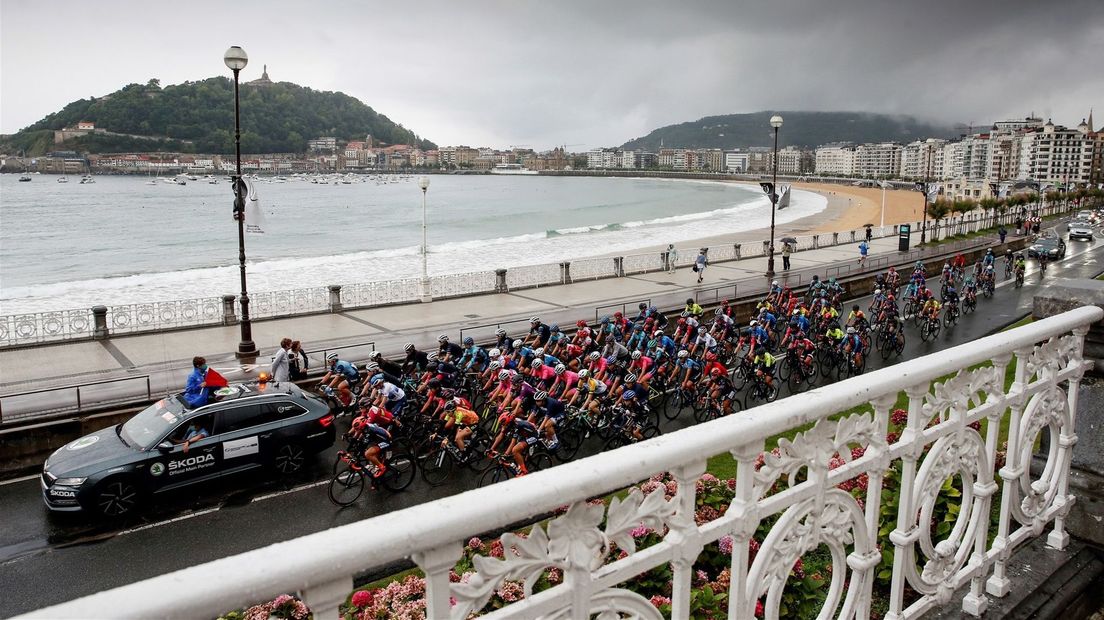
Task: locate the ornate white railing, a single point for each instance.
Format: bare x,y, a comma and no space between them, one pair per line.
795,490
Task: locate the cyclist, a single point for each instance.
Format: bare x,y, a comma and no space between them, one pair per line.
989,258
341,376
692,308
590,391
801,348
503,342
721,389
549,414
448,351
853,347
462,419
416,361
375,437
1021,265
931,308
892,279
539,333
763,363
950,297
391,396
474,358
541,373
1043,258
857,319
564,383
689,368
1009,260
641,365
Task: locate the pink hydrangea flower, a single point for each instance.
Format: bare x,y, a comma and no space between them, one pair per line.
362,599
474,544
899,417
640,531
725,545
659,601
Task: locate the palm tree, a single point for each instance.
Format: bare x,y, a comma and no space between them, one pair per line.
938,210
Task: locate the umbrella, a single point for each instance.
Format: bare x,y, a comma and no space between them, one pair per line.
868,226
789,240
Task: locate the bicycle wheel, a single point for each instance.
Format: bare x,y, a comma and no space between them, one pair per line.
400,472
615,441
437,469
650,431
346,486
706,413
540,461
934,329
571,439
493,475
785,369
887,345
796,381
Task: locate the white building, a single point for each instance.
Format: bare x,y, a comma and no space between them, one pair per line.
630,160
735,161
836,159
789,160
878,160
1056,155
921,158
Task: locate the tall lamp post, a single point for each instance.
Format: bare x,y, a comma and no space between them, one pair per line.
776,122
924,188
426,296
236,59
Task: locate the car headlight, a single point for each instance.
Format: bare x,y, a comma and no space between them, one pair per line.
69,482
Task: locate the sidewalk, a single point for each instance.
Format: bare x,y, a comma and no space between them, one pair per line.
166,356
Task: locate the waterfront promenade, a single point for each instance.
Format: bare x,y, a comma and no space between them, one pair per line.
160,361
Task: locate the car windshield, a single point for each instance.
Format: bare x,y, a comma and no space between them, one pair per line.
144,429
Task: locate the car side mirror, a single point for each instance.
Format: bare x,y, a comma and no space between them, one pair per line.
165,446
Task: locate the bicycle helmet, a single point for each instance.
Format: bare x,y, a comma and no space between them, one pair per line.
855,308
540,396
432,356
683,354
657,333
376,355
376,380
716,372
494,354
684,314
503,375
516,379
535,320
560,369
539,351
408,347
642,306
751,323
629,394
877,291
517,344
331,357
618,315
759,350
495,365
359,423
450,406
850,330
434,383
682,321
605,320
584,373
536,364
448,393
774,282
594,355
580,323
371,367
469,341
630,378
500,332
635,355
442,338
555,328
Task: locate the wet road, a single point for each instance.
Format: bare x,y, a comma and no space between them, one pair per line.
47,559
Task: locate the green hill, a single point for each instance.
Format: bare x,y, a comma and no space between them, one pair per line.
198,117
807,129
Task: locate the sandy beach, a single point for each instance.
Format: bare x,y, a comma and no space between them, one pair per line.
849,208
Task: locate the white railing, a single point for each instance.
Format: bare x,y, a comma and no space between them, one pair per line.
794,491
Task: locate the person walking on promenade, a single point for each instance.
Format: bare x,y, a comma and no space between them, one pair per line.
864,249
672,258
297,361
281,368
869,234
1003,232
787,249
1019,226
701,263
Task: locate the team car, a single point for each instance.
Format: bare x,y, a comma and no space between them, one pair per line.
170,445
1053,247
1080,229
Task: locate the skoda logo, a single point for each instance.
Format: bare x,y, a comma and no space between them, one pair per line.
83,442
157,469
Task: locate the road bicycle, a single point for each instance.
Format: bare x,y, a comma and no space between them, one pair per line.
929,329
352,472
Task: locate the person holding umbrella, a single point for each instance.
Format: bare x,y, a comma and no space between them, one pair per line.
787,249
869,232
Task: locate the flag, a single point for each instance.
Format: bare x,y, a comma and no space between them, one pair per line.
784,201
214,379
933,192
254,217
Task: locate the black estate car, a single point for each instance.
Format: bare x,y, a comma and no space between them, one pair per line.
1053,247
246,426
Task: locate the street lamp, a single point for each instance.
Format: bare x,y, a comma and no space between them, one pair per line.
426,296
236,59
925,188
776,122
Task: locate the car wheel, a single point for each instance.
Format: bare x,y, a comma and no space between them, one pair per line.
117,497
289,459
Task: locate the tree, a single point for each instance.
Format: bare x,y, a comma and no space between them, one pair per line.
989,205
960,208
938,210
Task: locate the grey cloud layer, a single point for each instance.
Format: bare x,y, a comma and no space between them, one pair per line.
591,73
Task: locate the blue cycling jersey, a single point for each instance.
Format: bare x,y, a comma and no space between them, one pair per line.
346,369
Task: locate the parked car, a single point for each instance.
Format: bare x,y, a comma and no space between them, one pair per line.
249,426
1053,247
1080,229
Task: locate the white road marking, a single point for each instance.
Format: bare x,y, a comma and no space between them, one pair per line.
23,479
303,487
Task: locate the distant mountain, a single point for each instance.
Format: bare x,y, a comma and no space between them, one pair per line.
198,117
807,129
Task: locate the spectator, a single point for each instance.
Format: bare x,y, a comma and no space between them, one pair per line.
787,249
280,369
672,258
1003,233
701,263
1019,226
864,249
869,233
297,361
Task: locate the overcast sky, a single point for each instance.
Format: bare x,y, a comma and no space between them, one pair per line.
588,73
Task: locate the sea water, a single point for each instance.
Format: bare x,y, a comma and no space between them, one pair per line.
121,240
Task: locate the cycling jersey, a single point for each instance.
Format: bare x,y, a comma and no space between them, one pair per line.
464,416
345,368
765,359
592,386
392,392
835,334
544,373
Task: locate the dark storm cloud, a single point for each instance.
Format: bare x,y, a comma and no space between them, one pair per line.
586,73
